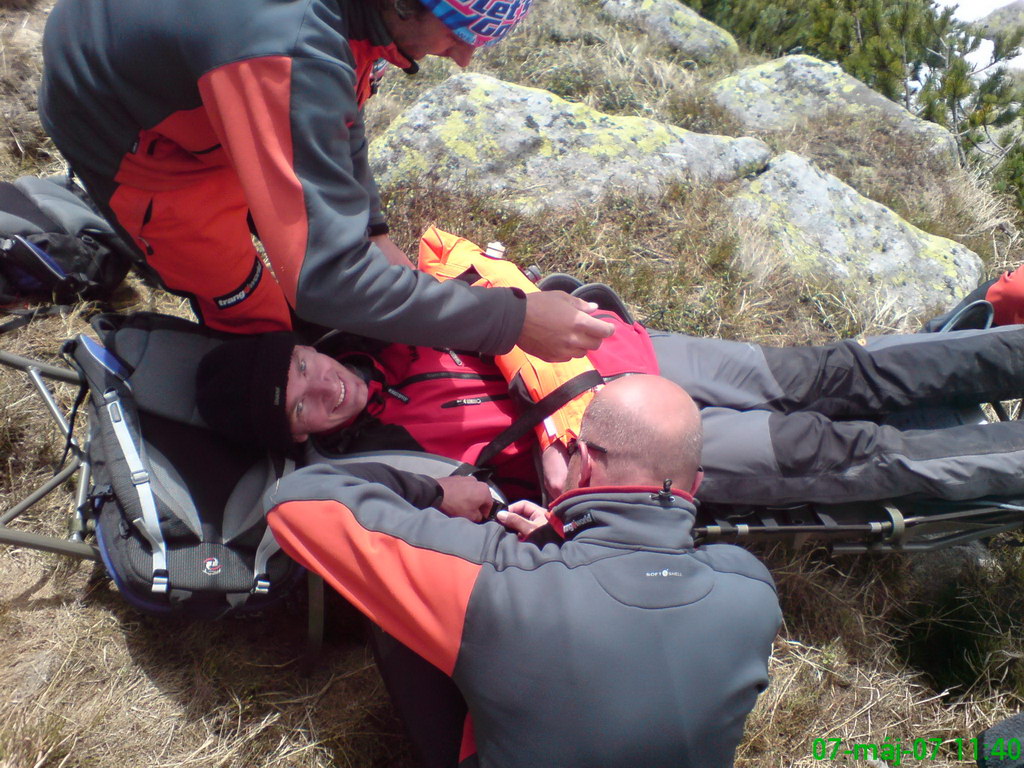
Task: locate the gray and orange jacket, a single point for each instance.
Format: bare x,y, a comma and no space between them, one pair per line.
146,98
624,646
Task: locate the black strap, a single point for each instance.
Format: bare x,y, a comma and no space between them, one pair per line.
22,317
469,277
83,390
534,415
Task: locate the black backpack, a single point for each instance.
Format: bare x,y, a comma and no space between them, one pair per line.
54,246
177,508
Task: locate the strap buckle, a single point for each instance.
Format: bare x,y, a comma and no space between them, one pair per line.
261,585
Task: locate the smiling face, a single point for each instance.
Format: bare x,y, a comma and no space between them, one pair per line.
322,393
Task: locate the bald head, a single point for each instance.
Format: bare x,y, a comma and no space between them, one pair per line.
651,428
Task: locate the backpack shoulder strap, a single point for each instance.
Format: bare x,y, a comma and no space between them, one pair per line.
533,415
268,547
149,523
107,377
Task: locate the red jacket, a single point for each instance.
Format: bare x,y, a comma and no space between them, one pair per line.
454,403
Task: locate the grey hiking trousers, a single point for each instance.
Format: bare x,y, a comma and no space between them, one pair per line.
784,425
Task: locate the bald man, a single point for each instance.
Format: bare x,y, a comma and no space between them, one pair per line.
623,645
650,444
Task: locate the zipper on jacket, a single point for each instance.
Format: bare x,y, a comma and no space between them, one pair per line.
449,375
396,394
473,401
451,353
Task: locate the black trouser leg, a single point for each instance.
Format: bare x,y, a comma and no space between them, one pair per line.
760,457
427,700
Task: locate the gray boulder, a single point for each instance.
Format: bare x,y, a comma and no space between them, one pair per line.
825,231
534,151
678,26
779,94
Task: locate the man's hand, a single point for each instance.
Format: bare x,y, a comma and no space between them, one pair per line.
465,497
559,326
392,252
523,517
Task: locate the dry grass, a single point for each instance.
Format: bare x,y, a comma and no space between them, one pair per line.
840,668
574,51
24,147
672,259
818,692
87,682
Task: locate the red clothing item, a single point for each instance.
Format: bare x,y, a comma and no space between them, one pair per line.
1006,295
454,404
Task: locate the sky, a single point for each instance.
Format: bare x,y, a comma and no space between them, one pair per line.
969,10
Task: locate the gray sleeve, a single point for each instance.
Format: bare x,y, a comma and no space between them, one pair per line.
300,152
379,507
361,169
344,281
419,490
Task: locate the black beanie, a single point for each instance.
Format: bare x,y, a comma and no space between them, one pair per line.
240,390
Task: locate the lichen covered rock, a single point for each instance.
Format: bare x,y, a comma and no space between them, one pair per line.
825,231
779,94
534,151
681,28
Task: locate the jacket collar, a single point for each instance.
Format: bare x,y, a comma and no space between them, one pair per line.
366,26
641,516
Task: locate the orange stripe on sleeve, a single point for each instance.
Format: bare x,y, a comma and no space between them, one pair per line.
248,104
419,596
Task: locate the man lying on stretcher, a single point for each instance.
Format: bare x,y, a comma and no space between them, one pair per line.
781,425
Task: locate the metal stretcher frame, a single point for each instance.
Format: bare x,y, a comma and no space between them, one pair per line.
883,526
900,525
76,463
871,526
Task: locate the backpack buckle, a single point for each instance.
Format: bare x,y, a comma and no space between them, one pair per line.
261,586
161,582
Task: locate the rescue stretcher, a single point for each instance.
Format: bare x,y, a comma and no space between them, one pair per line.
884,525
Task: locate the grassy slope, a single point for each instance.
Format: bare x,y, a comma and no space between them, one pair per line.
86,682
1003,19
